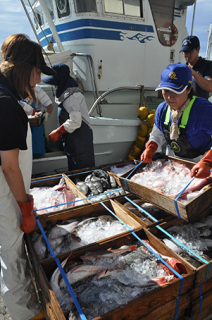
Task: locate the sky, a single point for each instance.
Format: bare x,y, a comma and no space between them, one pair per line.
13,20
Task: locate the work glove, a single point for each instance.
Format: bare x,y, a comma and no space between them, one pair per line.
28,219
147,155
203,167
45,116
55,134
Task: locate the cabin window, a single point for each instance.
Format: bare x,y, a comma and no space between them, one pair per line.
85,6
63,8
125,7
38,20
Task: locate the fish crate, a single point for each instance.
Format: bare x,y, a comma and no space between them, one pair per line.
66,203
188,211
100,183
37,246
162,302
144,212
203,271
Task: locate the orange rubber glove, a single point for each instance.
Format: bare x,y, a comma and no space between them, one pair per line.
55,134
203,167
147,155
28,219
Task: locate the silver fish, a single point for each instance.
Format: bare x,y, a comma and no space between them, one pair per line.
79,273
61,230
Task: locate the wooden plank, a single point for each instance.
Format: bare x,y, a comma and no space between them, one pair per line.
142,222
201,308
171,310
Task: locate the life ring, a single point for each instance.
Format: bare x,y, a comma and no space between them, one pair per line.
175,35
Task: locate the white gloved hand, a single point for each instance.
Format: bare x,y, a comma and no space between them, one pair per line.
45,115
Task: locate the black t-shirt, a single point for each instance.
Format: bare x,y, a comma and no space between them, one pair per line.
13,120
204,68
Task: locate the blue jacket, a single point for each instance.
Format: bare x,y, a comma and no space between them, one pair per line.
199,127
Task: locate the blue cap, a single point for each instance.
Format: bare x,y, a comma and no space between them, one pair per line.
190,43
176,77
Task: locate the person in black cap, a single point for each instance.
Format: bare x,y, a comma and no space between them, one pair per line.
75,130
20,71
201,68
182,121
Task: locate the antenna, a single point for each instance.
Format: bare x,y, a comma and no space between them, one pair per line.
192,27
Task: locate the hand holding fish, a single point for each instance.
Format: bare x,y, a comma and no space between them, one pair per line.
203,167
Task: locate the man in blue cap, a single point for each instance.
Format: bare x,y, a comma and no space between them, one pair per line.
182,121
201,68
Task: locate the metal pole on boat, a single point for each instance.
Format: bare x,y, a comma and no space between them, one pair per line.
192,27
30,21
209,44
51,24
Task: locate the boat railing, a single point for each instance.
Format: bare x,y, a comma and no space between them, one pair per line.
101,99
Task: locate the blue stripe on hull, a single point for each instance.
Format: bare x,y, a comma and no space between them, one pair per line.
94,33
81,23
99,34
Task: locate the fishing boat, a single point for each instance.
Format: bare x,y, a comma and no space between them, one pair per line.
116,50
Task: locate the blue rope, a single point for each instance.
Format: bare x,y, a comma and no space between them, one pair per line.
71,292
138,165
200,305
201,298
125,181
178,196
90,197
141,209
177,308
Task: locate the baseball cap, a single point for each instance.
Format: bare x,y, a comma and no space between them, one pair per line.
25,50
190,43
176,77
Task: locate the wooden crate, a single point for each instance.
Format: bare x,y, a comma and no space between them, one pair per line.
51,181
201,301
80,175
85,212
189,211
162,300
200,272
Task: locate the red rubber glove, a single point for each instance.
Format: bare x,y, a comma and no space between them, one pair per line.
203,167
28,219
55,134
147,155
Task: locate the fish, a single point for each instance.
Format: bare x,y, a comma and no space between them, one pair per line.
111,253
40,247
172,245
196,185
60,230
169,178
79,273
54,280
